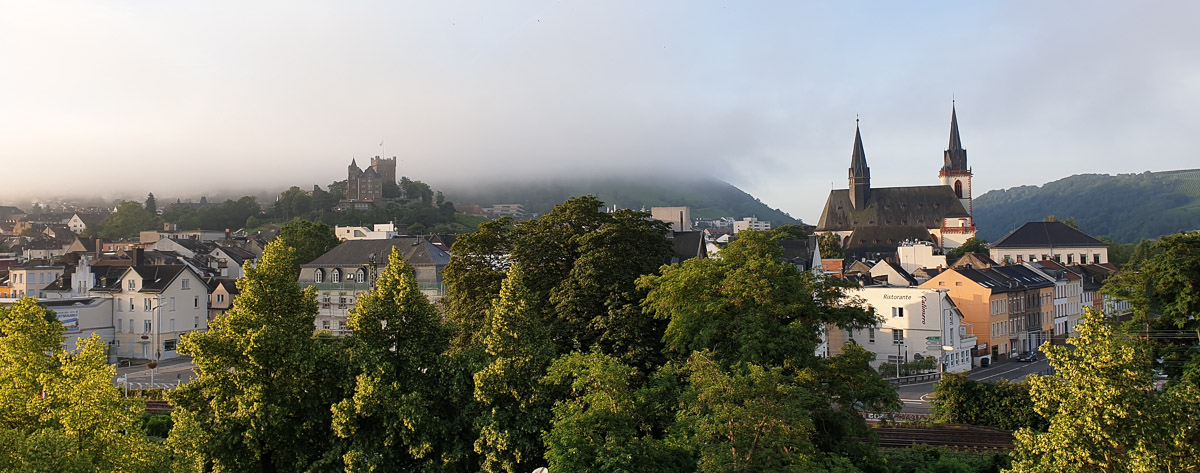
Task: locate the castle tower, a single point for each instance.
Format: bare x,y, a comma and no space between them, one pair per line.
353,173
860,174
386,167
955,172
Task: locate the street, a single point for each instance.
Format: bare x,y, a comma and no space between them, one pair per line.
916,396
166,375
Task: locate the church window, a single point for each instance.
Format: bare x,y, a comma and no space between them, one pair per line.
958,188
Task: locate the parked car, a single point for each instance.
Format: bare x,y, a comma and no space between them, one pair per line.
1028,356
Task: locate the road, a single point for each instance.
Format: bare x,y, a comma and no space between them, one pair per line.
916,396
168,373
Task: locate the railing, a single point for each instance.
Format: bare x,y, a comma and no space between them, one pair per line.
919,378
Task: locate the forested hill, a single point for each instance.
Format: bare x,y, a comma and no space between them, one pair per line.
1125,207
708,198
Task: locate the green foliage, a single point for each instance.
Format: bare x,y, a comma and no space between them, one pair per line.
791,232
151,205
127,222
924,365
157,425
1104,412
231,214
925,459
398,400
59,410
478,265
1124,207
611,420
264,384
309,239
748,306
1001,404
293,203
519,348
972,245
416,190
831,248
747,418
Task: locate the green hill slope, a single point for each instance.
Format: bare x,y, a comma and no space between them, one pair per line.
1124,207
708,198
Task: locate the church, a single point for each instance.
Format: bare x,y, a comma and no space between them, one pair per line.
872,222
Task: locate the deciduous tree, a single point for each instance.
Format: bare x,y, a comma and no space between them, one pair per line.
309,239
264,384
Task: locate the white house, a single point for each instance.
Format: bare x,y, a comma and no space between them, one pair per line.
153,307
379,231
914,323
81,317
750,223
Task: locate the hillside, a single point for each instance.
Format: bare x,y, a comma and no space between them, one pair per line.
708,198
1125,207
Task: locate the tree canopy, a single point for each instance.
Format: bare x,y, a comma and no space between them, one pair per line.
127,222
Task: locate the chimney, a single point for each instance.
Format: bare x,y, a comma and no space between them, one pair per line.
99,247
138,257
226,233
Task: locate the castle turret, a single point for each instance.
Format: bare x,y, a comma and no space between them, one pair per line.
860,174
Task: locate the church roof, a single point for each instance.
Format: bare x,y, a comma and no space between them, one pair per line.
884,239
955,140
919,206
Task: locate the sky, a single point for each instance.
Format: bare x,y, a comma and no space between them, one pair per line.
120,98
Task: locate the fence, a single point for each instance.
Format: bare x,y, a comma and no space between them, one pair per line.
920,378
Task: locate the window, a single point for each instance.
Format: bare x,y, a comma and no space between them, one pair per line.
172,303
169,345
1070,258
871,334
341,325
146,326
1096,258
335,276
362,275
897,312
131,304
325,324
319,277
172,325
196,302
120,307
220,297
196,323
146,305
1057,258
131,284
897,337
130,325
184,284
120,325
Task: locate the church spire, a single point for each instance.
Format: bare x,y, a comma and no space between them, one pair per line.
955,156
860,174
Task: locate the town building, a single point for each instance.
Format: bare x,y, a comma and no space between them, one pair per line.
80,221
379,231
1057,241
349,270
750,223
221,293
153,307
913,323
872,221
680,218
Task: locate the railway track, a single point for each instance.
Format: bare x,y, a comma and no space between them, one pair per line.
958,437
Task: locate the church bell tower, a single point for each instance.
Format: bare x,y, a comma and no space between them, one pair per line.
954,172
860,174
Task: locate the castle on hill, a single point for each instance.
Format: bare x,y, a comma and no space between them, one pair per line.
364,187
872,222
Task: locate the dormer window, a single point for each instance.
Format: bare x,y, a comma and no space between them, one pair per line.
335,276
362,275
319,275
132,284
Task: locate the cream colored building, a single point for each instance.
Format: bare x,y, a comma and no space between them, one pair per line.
680,218
1054,241
750,223
153,307
914,323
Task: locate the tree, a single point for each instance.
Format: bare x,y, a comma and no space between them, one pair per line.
748,306
59,410
309,239
391,190
127,222
1104,412
293,203
151,205
1163,288
1001,404
478,266
519,348
264,383
610,420
831,248
791,232
392,420
972,245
